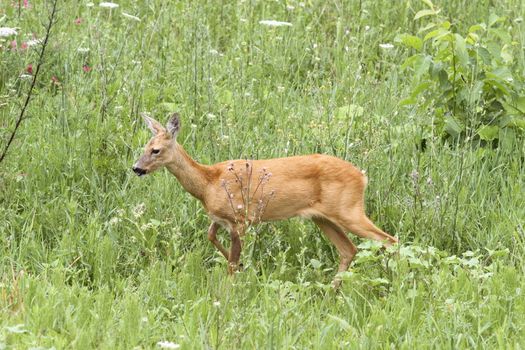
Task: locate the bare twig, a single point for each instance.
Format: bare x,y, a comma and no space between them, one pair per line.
33,82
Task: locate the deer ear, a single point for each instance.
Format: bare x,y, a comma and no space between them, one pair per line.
152,124
174,125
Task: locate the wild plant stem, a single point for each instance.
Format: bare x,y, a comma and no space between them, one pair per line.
33,82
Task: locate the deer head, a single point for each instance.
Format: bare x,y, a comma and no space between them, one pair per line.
161,148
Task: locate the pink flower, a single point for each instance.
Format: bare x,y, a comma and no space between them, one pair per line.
29,68
13,45
86,68
23,46
55,80
26,4
78,21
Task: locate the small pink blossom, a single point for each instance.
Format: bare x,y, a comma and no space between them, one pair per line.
78,21
29,68
55,80
86,68
13,45
26,4
24,46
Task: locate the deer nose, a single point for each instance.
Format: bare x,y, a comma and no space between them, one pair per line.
139,171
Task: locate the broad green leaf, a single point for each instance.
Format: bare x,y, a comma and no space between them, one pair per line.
472,38
517,122
424,13
427,27
410,41
410,61
452,126
420,88
433,34
493,19
514,106
488,132
484,54
506,54
502,34
421,66
407,101
520,103
501,73
477,27
428,3
461,50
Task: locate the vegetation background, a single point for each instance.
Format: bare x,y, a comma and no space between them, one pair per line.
93,257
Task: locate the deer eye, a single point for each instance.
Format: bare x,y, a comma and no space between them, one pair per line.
155,151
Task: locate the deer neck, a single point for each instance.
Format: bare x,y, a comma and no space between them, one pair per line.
191,175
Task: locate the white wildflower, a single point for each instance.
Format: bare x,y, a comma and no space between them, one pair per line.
211,116
90,4
26,76
274,23
168,345
114,220
239,206
367,28
34,42
127,15
139,210
216,303
6,31
290,7
83,50
214,52
386,46
109,5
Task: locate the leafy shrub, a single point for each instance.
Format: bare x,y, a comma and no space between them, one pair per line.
474,82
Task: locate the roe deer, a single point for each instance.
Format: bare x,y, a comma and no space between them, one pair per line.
326,189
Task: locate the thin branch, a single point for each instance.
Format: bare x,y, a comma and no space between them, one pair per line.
33,82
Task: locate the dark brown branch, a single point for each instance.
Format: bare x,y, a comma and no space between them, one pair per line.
33,82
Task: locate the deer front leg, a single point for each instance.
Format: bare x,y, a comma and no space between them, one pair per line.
212,236
235,252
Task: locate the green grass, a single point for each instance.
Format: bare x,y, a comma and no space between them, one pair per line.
93,257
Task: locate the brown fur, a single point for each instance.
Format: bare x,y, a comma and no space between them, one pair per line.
326,189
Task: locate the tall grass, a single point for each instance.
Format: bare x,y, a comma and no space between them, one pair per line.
93,257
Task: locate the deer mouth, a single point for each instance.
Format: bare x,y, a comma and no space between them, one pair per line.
139,171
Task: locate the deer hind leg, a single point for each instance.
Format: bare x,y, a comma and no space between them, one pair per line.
236,231
359,224
344,245
212,236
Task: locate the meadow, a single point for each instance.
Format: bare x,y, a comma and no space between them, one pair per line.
92,256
